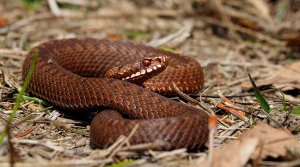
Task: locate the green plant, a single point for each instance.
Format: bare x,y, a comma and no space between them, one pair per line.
122,163
21,93
32,4
260,98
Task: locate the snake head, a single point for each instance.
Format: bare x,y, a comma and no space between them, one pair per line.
140,70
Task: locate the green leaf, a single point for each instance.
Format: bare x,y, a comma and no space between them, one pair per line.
122,163
35,99
168,49
32,4
296,110
22,91
283,100
134,34
260,98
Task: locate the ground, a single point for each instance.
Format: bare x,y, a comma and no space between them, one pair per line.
230,39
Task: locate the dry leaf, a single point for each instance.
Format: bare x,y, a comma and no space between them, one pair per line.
235,154
257,144
273,142
287,78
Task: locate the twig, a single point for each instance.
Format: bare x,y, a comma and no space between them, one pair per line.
175,38
188,98
106,152
126,140
233,111
144,146
37,142
169,153
26,132
54,8
64,163
231,131
143,12
232,108
28,117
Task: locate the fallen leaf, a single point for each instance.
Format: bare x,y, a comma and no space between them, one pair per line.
256,144
273,142
235,154
286,78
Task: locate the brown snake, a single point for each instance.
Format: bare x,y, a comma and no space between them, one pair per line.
70,74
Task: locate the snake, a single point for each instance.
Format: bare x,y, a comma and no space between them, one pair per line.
127,85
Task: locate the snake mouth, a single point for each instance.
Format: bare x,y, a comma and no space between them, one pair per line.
148,66
139,70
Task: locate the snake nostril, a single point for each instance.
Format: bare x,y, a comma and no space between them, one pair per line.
146,62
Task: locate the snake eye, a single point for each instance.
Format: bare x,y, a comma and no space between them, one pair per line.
146,62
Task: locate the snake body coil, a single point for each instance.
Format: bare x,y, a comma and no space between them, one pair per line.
70,74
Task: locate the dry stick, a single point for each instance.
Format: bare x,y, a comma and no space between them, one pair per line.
28,117
169,153
126,140
54,7
48,145
144,146
106,152
116,147
26,132
60,163
176,38
231,130
226,100
188,98
231,110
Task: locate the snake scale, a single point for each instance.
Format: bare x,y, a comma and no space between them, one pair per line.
72,75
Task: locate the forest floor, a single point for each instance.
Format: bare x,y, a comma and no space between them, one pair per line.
229,38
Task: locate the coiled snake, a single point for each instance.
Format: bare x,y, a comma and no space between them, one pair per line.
72,74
